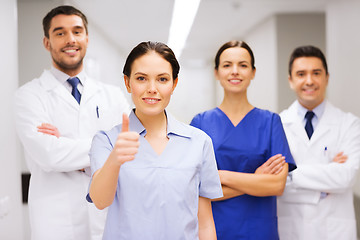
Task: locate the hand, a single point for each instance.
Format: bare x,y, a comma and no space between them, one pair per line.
340,158
273,165
126,145
49,129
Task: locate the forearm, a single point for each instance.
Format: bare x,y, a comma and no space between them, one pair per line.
206,221
330,178
228,193
58,154
260,185
103,185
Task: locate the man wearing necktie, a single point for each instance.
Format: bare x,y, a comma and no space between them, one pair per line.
57,116
325,142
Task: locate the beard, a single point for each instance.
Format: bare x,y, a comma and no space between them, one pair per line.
64,66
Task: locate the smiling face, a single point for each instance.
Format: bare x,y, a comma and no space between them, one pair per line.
235,71
150,84
309,81
67,43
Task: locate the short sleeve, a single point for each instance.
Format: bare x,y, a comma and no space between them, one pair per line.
196,121
100,150
279,143
210,186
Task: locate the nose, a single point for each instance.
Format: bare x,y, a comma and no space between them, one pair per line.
234,70
70,38
152,87
308,79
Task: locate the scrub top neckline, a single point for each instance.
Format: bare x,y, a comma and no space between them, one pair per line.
228,119
153,150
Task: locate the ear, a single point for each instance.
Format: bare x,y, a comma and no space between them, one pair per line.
254,72
127,83
46,43
291,82
175,82
216,72
327,78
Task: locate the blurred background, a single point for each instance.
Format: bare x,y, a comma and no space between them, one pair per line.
272,28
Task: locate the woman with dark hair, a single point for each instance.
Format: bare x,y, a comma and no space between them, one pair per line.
251,150
156,174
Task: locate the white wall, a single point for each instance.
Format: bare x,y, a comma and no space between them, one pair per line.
263,92
194,93
343,52
11,227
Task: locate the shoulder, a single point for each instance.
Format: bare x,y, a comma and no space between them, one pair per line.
108,136
265,115
289,114
207,114
346,119
32,89
204,117
109,88
189,131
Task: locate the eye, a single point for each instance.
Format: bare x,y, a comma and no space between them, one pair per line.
300,74
163,79
141,78
243,65
226,65
59,34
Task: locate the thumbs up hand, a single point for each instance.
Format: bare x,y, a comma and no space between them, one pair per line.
126,145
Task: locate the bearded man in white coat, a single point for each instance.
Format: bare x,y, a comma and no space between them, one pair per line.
325,142
56,121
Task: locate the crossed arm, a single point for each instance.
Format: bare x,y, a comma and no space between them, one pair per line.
268,180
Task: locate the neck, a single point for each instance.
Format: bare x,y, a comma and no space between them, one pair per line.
235,107
155,125
70,72
235,103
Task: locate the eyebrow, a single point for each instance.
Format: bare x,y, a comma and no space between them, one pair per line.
61,28
238,62
161,74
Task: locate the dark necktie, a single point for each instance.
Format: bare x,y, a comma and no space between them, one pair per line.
308,126
75,92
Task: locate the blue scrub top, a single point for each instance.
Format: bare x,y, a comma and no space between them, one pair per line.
243,148
157,196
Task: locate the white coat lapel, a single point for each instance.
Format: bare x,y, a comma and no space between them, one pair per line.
90,89
52,85
293,123
325,123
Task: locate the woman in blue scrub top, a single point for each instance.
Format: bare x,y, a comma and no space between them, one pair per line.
156,174
251,151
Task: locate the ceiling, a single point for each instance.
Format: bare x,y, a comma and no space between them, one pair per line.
129,22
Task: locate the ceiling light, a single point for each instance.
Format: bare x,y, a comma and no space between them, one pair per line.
184,13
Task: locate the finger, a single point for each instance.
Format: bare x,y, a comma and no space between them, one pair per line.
277,162
279,170
128,136
46,131
273,158
276,168
125,123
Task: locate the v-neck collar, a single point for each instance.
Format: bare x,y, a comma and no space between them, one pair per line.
228,119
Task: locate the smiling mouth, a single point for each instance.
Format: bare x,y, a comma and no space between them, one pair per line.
235,80
151,100
310,90
70,49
